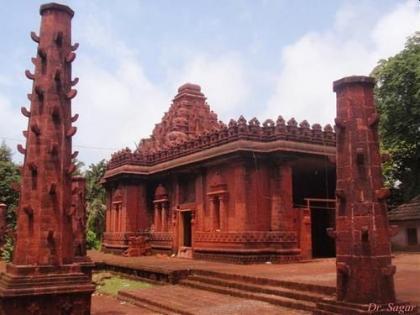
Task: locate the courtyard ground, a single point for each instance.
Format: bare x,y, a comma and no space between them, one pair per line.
317,271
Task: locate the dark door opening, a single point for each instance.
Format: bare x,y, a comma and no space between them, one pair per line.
322,244
186,223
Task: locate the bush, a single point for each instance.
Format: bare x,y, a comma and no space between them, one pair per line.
91,241
7,249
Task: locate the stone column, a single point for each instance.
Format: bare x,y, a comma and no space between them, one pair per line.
364,269
286,197
240,203
212,213
275,199
164,217
114,218
108,210
223,213
157,218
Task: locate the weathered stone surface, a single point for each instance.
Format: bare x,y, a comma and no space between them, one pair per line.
43,278
364,270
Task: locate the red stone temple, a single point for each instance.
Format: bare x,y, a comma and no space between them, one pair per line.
44,277
243,192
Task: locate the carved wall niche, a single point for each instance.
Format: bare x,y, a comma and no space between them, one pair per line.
218,203
161,210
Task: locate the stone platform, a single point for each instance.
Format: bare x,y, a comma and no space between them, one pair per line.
262,288
294,286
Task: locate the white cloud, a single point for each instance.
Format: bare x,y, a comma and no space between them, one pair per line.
116,107
119,104
223,80
312,63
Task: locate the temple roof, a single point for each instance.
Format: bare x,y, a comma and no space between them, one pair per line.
190,127
406,211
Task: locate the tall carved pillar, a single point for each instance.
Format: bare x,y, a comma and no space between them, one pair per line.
43,278
364,269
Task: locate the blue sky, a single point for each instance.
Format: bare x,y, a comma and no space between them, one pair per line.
256,58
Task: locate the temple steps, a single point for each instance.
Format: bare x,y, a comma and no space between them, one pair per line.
266,282
264,297
301,298
154,302
178,299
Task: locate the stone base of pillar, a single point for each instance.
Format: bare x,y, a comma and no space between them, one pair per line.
46,290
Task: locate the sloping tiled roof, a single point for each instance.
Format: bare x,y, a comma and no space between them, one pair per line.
406,211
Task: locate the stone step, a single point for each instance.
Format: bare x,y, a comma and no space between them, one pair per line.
184,300
264,297
321,289
155,302
267,289
339,309
129,298
322,312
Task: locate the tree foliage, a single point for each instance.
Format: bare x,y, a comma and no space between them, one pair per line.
9,181
95,199
398,98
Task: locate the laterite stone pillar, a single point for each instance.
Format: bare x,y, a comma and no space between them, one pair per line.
364,269
43,277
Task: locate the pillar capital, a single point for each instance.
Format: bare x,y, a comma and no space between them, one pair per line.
353,80
55,7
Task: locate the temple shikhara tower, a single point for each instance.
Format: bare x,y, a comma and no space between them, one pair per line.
43,277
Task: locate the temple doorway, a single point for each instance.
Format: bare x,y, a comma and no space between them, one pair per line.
322,217
185,234
186,227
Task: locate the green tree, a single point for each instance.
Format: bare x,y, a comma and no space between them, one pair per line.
398,98
95,199
9,181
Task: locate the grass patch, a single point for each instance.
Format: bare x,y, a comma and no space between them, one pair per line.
110,284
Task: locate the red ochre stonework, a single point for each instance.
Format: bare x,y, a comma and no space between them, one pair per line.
43,277
364,269
238,192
